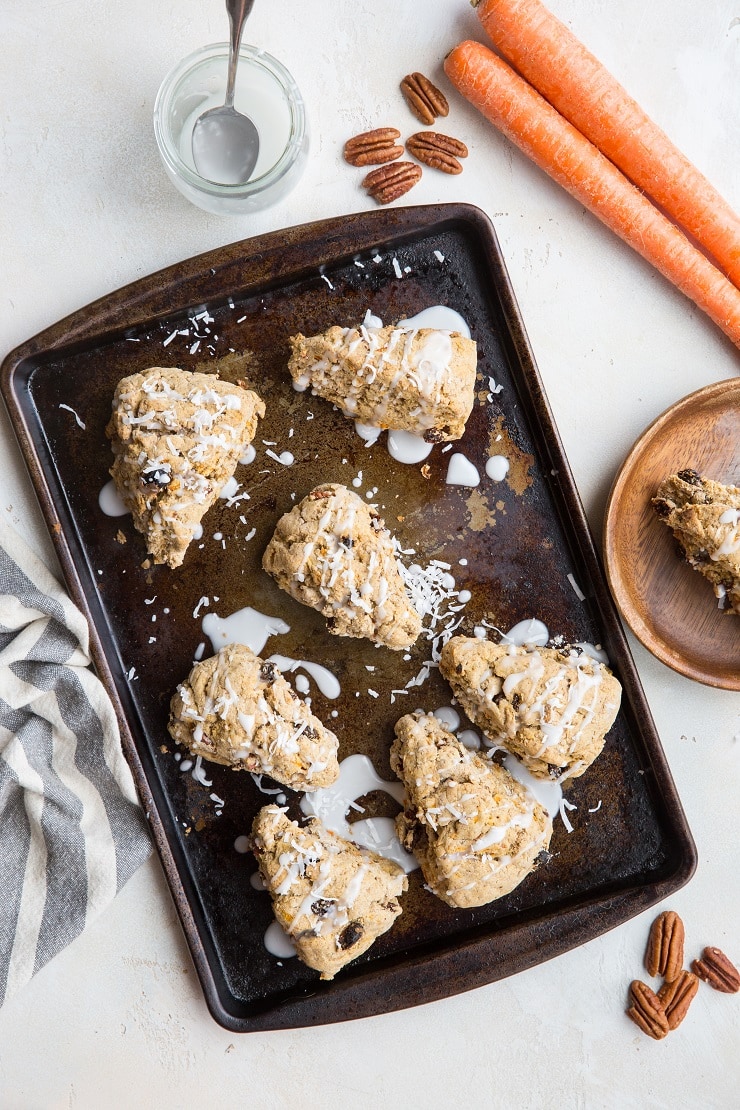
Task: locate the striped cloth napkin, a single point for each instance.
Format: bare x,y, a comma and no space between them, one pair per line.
71,830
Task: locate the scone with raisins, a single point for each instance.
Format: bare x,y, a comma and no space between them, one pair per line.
333,553
704,516
237,709
475,830
419,380
332,898
550,707
177,438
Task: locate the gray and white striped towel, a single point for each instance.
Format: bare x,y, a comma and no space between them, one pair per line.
71,830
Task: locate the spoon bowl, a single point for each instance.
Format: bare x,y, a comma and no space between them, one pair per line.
226,143
225,146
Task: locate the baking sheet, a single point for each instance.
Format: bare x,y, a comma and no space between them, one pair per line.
526,544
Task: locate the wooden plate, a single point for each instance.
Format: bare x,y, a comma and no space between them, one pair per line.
669,606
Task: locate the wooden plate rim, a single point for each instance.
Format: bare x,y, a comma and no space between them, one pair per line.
655,644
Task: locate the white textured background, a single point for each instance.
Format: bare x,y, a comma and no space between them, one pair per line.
118,1019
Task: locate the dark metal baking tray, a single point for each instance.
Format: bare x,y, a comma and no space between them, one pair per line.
522,538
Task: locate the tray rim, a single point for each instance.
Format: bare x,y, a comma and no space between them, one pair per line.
236,269
657,645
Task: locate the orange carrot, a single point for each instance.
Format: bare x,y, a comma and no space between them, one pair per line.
551,58
557,147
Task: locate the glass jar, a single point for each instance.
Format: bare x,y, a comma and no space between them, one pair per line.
266,92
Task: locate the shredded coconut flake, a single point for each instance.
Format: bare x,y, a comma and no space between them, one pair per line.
199,774
204,601
80,423
564,806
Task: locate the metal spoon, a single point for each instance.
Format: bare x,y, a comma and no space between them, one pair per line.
225,142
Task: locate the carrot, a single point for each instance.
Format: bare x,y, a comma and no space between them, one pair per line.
552,59
557,147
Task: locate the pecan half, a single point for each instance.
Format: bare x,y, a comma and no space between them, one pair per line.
441,152
714,968
664,955
373,148
647,1011
677,996
423,98
388,183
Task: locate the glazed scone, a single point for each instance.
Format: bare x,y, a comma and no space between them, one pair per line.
177,438
550,707
705,519
476,832
332,898
419,380
237,709
333,552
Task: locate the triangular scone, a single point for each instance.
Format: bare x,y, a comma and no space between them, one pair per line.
332,898
177,438
705,519
237,709
551,707
475,830
419,380
333,552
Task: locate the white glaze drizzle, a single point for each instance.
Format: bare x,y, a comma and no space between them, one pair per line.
527,632
461,472
327,682
110,502
497,467
331,804
278,943
407,448
246,626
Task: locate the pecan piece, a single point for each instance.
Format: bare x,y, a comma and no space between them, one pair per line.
439,151
388,183
647,1011
423,98
664,955
714,968
373,148
677,996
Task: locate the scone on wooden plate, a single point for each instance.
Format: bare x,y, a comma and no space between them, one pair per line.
475,830
705,519
177,438
550,707
333,553
332,898
237,709
418,380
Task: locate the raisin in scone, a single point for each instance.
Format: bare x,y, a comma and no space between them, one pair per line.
177,438
419,380
237,709
333,552
550,707
332,898
705,519
475,830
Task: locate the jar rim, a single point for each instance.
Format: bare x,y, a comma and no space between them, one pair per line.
253,56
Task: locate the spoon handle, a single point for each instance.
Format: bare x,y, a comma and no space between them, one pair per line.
238,11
